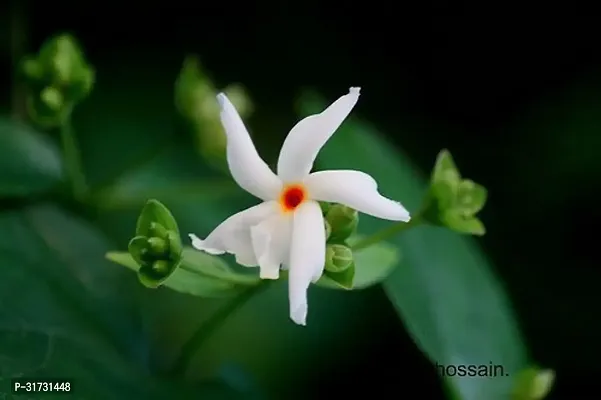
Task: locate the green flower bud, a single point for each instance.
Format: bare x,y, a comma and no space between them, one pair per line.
138,248
195,98
158,230
47,107
62,60
193,92
52,98
452,201
343,221
158,246
328,228
57,78
338,258
175,245
240,99
161,267
325,207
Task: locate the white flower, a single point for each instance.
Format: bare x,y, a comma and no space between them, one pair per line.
287,229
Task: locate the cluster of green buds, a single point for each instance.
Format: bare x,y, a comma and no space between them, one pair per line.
451,201
57,78
157,246
195,98
341,225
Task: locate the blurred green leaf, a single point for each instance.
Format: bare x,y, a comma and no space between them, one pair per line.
29,162
533,384
199,274
67,313
371,266
445,291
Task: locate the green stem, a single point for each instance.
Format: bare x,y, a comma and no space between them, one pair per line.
72,158
206,330
388,232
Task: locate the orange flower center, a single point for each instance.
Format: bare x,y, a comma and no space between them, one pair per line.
292,196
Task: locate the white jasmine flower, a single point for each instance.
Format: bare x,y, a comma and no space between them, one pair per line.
287,229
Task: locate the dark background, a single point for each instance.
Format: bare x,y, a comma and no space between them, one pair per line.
517,102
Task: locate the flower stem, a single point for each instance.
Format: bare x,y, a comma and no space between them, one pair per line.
72,158
206,330
388,232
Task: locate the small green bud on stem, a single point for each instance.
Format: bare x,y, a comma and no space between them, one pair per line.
343,221
158,246
338,258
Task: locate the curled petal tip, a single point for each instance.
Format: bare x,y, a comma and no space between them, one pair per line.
221,99
199,244
270,275
355,89
299,316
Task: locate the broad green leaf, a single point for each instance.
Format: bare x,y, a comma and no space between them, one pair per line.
67,313
199,274
371,266
445,290
29,162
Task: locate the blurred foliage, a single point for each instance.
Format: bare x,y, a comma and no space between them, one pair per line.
58,77
444,289
87,319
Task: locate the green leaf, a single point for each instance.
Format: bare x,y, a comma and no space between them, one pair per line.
29,163
155,211
199,274
374,264
67,313
445,291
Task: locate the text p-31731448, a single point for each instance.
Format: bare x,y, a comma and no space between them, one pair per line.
40,385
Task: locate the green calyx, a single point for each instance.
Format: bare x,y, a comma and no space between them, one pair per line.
157,246
453,202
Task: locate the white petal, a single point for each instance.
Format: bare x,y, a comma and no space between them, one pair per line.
307,257
233,234
357,190
271,243
309,135
246,166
